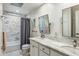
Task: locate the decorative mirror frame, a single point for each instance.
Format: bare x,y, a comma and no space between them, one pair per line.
48,32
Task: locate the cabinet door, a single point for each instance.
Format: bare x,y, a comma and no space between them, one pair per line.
67,22
33,51
41,53
33,48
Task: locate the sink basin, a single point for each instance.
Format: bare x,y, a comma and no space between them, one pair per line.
56,43
53,42
60,44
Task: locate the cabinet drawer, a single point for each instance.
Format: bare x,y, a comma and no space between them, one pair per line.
33,43
41,53
44,48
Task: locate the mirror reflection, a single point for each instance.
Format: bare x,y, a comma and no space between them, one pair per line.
44,24
70,21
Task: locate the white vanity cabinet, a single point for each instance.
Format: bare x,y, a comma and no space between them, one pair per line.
33,48
34,51
38,49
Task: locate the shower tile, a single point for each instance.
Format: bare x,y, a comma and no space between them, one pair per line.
11,25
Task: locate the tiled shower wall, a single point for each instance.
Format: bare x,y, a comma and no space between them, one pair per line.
11,25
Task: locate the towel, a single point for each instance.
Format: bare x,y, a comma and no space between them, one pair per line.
4,41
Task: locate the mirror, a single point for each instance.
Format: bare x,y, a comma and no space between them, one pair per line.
66,22
34,25
70,22
44,26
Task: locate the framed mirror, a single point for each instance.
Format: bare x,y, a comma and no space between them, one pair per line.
66,22
34,25
70,22
44,25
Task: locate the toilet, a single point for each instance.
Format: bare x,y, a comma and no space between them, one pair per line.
26,50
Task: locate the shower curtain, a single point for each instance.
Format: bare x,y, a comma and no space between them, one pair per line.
25,31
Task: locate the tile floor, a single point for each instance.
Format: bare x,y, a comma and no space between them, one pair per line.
13,53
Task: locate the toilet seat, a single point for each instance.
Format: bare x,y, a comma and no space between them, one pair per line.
26,46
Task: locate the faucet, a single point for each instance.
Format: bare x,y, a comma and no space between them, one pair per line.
75,43
42,34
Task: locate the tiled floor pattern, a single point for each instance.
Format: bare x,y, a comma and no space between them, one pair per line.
13,53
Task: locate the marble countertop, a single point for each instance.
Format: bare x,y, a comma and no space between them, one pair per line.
62,47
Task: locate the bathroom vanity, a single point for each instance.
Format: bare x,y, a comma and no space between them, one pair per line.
70,29
47,47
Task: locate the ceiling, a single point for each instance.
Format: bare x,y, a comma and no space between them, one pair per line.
20,8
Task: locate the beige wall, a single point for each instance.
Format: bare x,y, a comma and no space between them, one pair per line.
55,16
